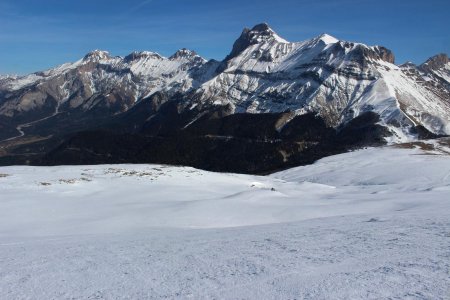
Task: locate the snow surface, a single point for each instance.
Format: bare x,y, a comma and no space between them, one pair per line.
368,224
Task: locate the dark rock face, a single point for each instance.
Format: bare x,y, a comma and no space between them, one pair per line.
261,28
240,44
249,37
435,71
138,55
436,62
385,54
361,54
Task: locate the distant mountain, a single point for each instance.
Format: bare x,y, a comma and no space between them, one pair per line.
297,96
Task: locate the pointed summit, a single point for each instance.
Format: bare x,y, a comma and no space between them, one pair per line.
184,53
261,27
260,33
327,39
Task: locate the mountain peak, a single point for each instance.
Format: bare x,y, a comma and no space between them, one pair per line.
262,32
436,62
97,55
327,39
259,34
261,27
184,53
136,55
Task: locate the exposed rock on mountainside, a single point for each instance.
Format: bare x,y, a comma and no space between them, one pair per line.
436,63
155,98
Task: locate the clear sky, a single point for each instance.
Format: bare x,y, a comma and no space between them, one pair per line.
39,34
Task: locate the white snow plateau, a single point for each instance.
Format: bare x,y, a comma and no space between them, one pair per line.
368,224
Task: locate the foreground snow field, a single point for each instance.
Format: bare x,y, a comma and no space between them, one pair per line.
369,224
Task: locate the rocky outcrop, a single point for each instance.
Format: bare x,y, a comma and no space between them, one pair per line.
259,33
436,62
385,54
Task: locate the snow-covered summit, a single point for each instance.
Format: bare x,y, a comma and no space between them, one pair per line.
328,39
97,55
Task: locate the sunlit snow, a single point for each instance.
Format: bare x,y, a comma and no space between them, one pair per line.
372,224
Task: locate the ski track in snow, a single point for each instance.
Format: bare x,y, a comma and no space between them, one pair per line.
369,224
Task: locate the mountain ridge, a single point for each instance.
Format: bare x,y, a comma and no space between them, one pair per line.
337,81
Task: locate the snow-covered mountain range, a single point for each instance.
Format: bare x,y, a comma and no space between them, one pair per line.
336,80
123,81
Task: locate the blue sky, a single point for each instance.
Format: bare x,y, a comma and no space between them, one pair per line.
37,35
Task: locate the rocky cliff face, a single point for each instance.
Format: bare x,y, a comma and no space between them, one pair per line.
436,63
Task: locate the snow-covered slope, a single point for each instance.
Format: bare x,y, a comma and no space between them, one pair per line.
371,224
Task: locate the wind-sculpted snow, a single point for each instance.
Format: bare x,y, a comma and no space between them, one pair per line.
368,224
